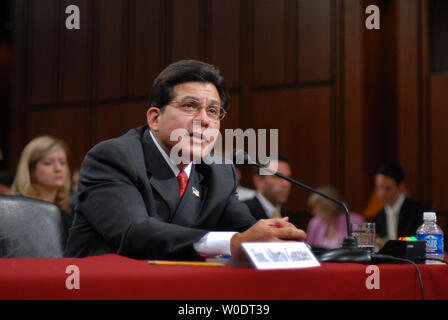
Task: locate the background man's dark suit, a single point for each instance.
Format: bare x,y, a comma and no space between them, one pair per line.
129,203
257,210
409,219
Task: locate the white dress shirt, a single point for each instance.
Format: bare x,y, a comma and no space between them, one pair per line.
171,164
392,214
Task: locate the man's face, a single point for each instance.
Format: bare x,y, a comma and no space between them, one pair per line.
274,188
387,189
163,123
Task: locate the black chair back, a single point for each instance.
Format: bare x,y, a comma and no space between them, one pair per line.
30,228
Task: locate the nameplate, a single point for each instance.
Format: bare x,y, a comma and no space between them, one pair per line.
280,255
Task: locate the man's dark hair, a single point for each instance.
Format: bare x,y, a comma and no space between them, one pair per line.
393,170
185,71
256,170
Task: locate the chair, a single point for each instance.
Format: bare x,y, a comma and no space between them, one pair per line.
30,228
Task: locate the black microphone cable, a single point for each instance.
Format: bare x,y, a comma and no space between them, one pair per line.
379,258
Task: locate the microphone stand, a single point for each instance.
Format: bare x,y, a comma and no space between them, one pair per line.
349,250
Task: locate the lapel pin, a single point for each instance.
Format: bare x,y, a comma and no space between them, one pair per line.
196,192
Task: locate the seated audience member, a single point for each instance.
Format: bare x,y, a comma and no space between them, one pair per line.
401,215
146,195
271,192
243,193
328,227
375,204
43,173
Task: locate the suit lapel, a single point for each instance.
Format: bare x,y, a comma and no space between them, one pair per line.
190,206
380,220
260,209
162,178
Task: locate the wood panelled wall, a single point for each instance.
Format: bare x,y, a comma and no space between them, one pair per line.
343,98
422,102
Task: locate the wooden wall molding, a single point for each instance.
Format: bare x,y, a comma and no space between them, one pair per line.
296,65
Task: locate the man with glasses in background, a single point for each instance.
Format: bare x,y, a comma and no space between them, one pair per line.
137,199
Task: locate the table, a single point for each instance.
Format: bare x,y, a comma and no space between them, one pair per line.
115,277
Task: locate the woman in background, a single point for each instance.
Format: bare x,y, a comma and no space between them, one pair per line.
43,173
328,227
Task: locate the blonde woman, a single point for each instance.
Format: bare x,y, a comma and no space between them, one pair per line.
328,227
43,173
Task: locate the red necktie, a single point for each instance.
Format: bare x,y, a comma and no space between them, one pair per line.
182,179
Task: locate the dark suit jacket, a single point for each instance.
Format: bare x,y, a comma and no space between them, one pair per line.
129,203
257,210
409,219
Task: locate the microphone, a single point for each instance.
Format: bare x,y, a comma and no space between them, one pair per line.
349,250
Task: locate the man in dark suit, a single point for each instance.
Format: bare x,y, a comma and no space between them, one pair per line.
142,196
401,215
271,192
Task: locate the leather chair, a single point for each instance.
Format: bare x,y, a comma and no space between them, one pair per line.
30,228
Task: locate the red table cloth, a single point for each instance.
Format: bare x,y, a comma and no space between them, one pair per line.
116,277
